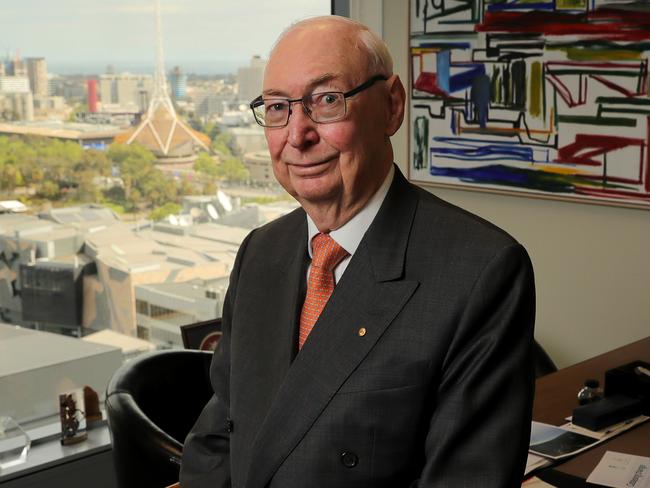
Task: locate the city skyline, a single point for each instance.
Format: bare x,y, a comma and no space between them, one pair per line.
122,34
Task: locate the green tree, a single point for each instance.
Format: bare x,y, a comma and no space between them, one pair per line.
224,144
168,208
233,169
95,161
11,178
206,165
157,188
50,190
212,130
117,153
136,164
185,187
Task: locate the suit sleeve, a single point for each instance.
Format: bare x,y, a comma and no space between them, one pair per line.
206,451
479,427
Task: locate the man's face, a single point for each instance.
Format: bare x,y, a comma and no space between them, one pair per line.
336,163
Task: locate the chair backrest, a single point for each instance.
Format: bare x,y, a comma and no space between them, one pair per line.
152,403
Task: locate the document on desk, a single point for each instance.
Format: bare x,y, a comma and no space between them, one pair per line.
535,462
619,470
554,442
535,482
567,440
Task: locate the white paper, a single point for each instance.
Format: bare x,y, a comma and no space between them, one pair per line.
536,483
619,470
535,462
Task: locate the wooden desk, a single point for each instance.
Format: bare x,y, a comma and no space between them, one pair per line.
555,399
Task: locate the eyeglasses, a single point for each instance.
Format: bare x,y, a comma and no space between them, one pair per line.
320,107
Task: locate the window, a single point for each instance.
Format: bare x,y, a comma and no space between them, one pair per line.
142,307
124,196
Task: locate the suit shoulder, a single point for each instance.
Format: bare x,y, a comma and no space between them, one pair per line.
457,244
455,222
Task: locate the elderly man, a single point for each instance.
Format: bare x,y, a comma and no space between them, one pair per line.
378,336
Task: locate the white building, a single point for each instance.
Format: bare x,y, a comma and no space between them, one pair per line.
249,139
14,84
260,167
250,78
37,74
125,91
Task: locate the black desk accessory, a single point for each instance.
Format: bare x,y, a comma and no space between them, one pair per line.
631,380
608,411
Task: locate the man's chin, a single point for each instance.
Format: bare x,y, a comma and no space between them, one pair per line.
314,194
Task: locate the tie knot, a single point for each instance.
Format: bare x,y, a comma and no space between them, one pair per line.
327,252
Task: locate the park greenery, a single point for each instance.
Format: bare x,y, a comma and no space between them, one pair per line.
226,165
38,170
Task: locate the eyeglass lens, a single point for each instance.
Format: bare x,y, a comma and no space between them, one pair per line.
320,107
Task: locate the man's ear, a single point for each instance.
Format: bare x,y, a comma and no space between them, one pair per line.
397,97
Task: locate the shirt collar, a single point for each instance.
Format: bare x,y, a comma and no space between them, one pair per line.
350,234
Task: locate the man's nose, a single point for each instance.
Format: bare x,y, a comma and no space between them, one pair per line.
302,130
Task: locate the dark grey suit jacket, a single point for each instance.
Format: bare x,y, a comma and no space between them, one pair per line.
437,393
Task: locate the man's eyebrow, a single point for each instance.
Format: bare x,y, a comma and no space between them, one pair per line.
310,85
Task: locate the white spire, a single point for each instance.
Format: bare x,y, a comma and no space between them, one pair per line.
163,133
160,90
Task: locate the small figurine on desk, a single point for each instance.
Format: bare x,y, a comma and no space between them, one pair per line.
93,412
73,420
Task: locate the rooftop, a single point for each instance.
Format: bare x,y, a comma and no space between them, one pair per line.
61,130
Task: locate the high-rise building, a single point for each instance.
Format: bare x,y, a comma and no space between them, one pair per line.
92,95
126,90
250,78
178,83
208,104
16,100
37,74
17,67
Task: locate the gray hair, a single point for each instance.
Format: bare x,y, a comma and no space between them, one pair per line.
379,59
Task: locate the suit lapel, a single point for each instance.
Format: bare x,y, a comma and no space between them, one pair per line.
369,296
266,335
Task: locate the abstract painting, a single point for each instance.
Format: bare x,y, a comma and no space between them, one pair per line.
540,97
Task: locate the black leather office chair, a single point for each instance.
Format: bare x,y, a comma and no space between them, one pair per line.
543,362
152,403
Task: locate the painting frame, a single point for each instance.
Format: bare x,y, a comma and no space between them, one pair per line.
634,193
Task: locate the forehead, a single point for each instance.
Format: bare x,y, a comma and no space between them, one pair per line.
313,54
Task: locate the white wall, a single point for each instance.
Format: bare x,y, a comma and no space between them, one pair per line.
592,262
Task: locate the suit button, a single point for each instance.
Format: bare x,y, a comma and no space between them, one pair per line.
229,426
349,459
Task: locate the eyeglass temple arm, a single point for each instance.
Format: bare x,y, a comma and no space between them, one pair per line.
365,85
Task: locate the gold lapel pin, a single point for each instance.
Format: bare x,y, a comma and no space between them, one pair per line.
362,331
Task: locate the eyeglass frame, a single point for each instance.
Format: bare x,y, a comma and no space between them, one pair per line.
363,86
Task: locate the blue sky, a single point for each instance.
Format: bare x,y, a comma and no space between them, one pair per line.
121,32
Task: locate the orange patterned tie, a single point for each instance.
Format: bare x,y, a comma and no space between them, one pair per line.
327,254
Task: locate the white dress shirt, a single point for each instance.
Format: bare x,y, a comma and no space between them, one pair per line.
349,236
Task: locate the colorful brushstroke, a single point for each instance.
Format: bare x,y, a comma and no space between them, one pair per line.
542,96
